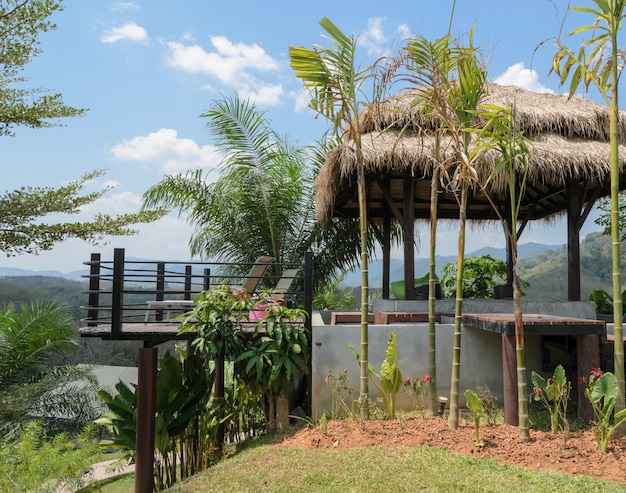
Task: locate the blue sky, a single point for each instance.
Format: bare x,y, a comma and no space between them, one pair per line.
146,70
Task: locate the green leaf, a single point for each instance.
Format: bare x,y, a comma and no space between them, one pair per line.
605,387
390,376
474,403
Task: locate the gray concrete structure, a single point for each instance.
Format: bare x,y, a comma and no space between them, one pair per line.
481,351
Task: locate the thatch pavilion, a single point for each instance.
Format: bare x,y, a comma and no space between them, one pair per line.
569,170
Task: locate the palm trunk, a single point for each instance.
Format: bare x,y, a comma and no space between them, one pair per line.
520,351
453,419
364,358
432,346
618,356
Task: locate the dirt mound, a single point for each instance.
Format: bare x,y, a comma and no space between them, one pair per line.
577,455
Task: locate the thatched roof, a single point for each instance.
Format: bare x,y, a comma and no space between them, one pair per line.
570,141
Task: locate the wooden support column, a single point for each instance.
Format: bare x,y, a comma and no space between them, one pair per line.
408,227
509,380
587,357
219,395
146,408
573,241
386,247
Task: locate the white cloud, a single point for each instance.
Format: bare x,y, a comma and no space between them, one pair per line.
373,40
128,32
121,6
518,75
172,153
231,64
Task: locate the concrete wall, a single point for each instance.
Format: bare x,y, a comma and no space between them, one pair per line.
577,309
481,358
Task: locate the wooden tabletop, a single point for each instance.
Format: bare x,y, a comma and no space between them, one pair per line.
534,324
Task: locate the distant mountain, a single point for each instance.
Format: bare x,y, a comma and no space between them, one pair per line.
13,272
422,265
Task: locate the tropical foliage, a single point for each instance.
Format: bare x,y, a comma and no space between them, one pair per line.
263,200
32,384
480,276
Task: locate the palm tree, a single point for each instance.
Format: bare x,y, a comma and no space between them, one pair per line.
453,83
32,384
263,200
598,61
500,133
337,91
430,67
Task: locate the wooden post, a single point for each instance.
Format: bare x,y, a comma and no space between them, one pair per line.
587,357
509,380
219,394
117,297
308,307
94,289
146,408
188,282
409,232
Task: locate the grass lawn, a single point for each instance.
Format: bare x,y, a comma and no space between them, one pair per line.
263,467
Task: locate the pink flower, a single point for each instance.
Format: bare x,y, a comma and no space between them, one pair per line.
328,377
538,391
582,381
427,378
596,372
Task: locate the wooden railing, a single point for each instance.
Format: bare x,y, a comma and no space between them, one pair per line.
119,289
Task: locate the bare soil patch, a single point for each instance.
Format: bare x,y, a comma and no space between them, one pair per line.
577,455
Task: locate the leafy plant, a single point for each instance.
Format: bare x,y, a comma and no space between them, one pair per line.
554,395
274,359
390,376
37,463
480,276
417,390
604,301
602,393
217,318
389,380
475,405
492,411
182,392
340,391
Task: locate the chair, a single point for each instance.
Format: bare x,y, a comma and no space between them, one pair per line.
257,271
252,281
284,283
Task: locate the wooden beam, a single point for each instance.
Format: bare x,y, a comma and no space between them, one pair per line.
146,408
408,227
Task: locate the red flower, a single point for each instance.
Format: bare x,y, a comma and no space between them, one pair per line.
582,381
596,372
427,378
408,382
538,391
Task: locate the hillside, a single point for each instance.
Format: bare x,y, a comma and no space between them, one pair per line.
544,267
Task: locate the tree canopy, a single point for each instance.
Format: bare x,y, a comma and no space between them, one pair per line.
21,22
22,211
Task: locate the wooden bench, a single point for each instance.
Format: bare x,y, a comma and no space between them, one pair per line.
168,306
383,318
348,318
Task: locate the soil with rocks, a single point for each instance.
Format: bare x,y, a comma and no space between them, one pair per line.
577,455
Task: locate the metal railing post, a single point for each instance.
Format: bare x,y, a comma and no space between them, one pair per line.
117,293
94,290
